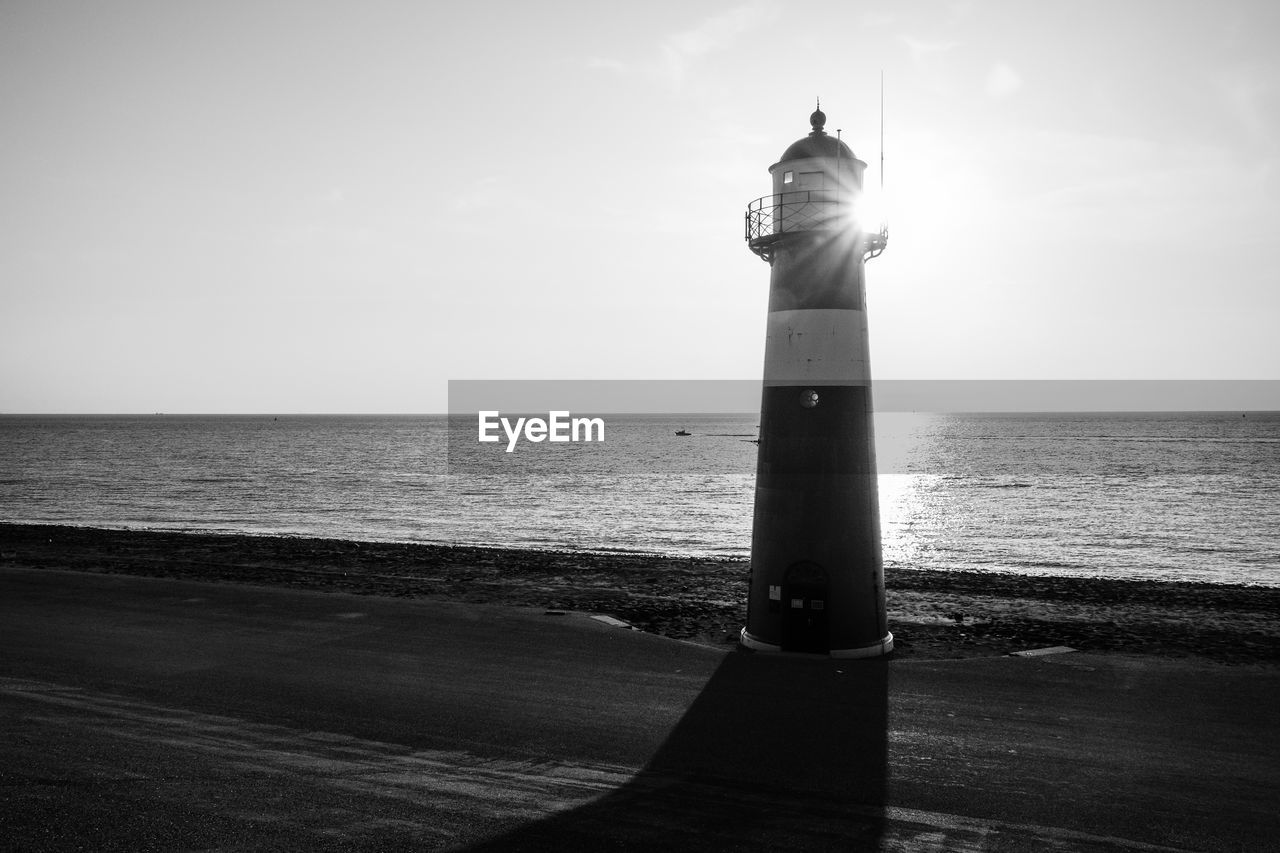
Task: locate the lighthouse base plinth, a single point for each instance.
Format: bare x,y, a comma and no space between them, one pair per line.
880,648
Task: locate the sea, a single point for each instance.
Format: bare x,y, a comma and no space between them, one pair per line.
1165,496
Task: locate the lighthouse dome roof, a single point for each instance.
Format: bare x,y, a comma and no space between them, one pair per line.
817,143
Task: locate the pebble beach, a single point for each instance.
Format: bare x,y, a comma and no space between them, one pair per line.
933,614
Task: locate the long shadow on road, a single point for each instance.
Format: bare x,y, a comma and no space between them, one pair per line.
776,752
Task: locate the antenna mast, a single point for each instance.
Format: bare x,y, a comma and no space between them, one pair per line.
839,181
877,243
882,136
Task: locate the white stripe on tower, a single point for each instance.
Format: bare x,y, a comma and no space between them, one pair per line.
816,346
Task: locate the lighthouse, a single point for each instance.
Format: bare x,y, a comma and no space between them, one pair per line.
817,576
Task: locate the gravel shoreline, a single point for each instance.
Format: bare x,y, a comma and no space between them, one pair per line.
933,614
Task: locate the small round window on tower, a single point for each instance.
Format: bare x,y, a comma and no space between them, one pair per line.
808,398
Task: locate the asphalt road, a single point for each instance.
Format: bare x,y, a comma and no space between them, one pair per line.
141,713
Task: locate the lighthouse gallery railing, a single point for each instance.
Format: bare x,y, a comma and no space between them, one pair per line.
772,216
799,210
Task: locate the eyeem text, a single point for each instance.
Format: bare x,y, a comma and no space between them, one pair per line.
558,426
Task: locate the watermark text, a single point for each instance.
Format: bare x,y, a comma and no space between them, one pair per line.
558,426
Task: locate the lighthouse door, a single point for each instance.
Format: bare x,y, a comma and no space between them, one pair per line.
804,607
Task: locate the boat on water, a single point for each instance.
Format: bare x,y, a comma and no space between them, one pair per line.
683,432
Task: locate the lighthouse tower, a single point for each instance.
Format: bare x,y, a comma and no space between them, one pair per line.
817,579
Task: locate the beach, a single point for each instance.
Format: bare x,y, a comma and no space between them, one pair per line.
168,690
933,614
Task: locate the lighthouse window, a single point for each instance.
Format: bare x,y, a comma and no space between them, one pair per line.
788,177
810,180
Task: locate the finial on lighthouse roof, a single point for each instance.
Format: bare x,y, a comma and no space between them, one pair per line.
817,143
818,120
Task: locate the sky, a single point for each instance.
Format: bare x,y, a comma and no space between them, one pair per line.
282,207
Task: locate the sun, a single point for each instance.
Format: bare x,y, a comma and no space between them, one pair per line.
869,210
